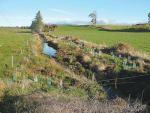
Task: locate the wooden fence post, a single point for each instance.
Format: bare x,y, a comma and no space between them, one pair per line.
12,61
23,82
21,50
116,83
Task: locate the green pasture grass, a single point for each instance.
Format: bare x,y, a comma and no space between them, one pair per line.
109,34
10,46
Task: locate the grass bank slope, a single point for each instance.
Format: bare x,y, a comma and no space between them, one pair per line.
109,35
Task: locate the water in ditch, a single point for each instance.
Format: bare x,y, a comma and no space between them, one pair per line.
48,50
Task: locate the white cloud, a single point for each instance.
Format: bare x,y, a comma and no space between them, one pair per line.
68,21
61,11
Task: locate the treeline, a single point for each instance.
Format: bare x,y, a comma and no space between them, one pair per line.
46,27
24,27
52,27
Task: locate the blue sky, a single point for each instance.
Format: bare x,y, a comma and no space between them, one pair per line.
110,12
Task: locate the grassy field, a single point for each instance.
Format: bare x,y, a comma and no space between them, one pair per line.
109,35
11,45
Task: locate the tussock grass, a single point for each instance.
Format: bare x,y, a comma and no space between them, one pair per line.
86,58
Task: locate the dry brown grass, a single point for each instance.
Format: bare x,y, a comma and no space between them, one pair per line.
87,44
72,37
78,39
78,105
54,41
2,85
135,54
122,46
60,37
102,46
78,48
36,44
86,58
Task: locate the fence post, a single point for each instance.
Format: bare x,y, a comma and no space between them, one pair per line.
116,83
12,61
23,81
61,84
21,50
93,77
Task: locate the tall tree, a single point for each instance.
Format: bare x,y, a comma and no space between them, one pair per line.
94,17
149,18
37,24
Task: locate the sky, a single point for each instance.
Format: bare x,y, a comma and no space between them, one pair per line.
75,12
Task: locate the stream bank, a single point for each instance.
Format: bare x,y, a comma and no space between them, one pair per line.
105,63
51,48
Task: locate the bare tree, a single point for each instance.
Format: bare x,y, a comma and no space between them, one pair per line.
149,18
94,17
